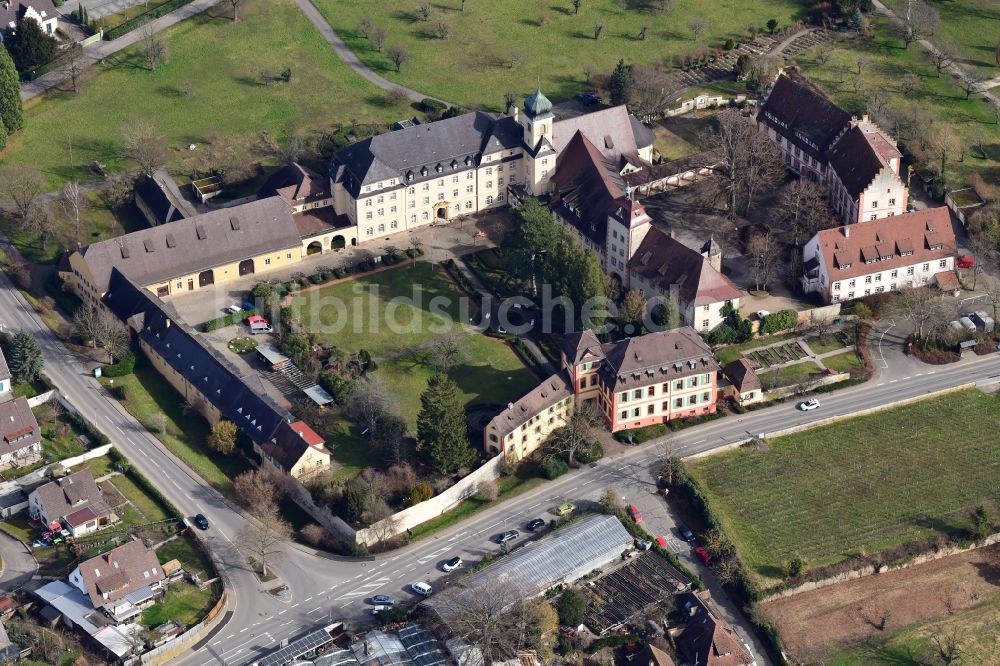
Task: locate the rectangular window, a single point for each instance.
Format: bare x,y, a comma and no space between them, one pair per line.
651,391
705,397
650,410
665,407
868,279
892,202
427,200
679,384
468,189
692,399
423,216
878,278
704,323
909,270
413,219
636,413
637,394
851,283
368,215
926,267
394,224
454,193
624,415
489,200
381,212
454,179
489,184
468,205
943,263
623,397
874,204
894,274
873,217
369,231
679,402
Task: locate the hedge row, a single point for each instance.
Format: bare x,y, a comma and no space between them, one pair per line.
229,320
460,278
124,366
144,18
143,483
779,321
641,435
95,436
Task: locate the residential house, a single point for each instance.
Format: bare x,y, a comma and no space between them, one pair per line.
640,381
707,639
744,383
5,379
692,281
892,253
122,581
74,502
22,438
854,159
434,172
43,12
297,450
66,602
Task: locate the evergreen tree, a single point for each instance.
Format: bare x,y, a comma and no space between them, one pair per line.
10,95
441,429
536,234
29,46
26,362
621,84
3,134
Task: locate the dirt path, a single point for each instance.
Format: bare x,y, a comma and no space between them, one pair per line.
813,623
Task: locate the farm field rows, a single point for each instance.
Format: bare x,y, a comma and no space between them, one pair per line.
863,484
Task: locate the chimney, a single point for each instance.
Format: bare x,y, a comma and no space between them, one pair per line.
847,231
107,557
514,112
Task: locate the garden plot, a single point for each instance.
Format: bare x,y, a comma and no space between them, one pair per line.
779,354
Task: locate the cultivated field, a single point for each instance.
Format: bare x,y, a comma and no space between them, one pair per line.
398,315
838,624
868,483
210,88
910,87
473,65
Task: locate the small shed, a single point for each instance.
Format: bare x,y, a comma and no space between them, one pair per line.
270,355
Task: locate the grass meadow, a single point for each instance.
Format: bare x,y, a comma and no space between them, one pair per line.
869,483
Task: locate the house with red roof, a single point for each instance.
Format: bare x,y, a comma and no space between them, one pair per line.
900,252
295,449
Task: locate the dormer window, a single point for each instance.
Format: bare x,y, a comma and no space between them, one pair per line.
409,175
423,171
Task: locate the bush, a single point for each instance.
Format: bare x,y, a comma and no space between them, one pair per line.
779,321
144,18
572,607
642,435
795,567
124,366
317,278
553,467
421,492
730,44
228,320
587,456
433,108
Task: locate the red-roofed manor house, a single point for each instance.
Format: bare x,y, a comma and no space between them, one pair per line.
889,254
633,383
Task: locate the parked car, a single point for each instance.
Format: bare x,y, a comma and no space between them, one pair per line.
633,512
965,261
259,324
201,521
234,309
661,541
642,544
378,609
808,405
589,98
762,313
452,564
534,524
422,588
383,600
565,509
703,554
509,535
685,532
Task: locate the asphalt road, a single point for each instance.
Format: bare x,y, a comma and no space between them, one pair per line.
322,587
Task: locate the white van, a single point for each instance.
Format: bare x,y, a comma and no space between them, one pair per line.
422,588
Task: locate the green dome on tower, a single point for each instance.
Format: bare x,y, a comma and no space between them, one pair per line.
537,104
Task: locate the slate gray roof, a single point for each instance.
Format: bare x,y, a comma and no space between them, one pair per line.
655,358
157,254
857,161
578,346
295,183
802,114
159,201
550,392
610,130
664,262
71,493
119,572
453,144
18,427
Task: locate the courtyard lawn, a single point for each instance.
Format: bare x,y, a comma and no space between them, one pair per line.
182,602
149,509
790,374
827,342
670,146
826,493
885,67
731,353
487,371
352,452
484,37
149,394
969,26
384,313
842,362
187,553
211,87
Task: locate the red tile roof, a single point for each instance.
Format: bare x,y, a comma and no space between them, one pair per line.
848,247
663,262
311,437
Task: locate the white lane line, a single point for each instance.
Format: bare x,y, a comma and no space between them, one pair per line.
308,600
281,612
244,629
314,610
529,508
295,606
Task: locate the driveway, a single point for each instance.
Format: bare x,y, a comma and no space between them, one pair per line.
18,564
98,8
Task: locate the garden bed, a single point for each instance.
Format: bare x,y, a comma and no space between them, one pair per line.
242,344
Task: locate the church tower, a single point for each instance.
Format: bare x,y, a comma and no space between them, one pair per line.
540,156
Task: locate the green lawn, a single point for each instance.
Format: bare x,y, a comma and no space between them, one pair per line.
822,344
790,374
977,630
970,26
190,556
868,483
485,36
210,86
52,561
149,394
670,146
509,486
886,66
352,452
487,372
386,312
116,19
842,362
734,352
183,602
150,509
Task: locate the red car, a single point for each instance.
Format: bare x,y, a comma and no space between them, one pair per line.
633,511
661,541
965,261
703,554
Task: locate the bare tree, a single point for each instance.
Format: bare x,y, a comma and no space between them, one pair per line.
653,93
697,26
74,205
368,402
945,143
762,255
598,29
398,55
909,83
444,353
235,5
365,26
441,28
42,222
970,83
154,49
21,187
579,433
74,68
948,643
803,210
515,59
924,308
921,21
378,38
264,538
424,12
940,56
102,329
143,146
662,5
256,490
576,6
386,527
495,615
114,338
749,162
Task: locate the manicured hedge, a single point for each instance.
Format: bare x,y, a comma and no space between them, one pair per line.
124,366
144,18
642,435
779,321
229,320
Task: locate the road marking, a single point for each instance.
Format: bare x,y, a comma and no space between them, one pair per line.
295,606
314,610
281,612
244,629
308,600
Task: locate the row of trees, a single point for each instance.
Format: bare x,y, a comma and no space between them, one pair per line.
11,113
